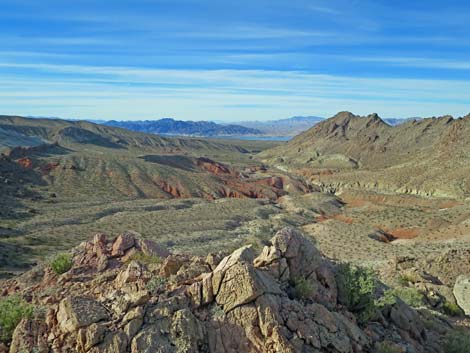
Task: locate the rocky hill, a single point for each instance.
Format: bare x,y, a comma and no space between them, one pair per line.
427,157
128,294
71,133
124,163
190,128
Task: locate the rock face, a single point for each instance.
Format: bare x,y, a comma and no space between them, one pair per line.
241,303
462,293
77,312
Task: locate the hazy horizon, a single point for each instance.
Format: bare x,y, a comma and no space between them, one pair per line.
250,60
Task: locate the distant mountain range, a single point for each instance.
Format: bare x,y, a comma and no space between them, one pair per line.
395,122
283,127
289,127
169,126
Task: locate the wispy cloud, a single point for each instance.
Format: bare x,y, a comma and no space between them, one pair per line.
201,59
255,32
418,62
115,92
324,9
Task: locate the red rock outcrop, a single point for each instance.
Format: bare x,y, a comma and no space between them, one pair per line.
113,301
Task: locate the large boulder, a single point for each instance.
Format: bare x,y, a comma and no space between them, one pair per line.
77,312
292,257
462,293
122,243
29,336
242,284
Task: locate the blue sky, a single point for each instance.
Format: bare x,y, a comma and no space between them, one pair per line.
233,60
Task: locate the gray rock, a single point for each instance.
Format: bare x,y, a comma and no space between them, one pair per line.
462,293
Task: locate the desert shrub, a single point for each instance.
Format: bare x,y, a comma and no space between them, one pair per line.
12,310
156,283
452,309
144,258
263,213
303,288
61,263
406,278
388,298
409,295
457,341
387,347
356,290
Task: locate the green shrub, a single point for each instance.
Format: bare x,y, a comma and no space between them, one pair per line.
457,341
12,310
452,309
145,259
406,278
409,295
387,347
156,283
303,288
387,299
61,263
356,290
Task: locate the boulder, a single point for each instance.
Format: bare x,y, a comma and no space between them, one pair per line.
29,336
151,340
77,312
90,336
242,284
133,272
150,248
170,266
113,342
186,331
462,293
122,243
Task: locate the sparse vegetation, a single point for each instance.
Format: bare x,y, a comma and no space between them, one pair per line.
144,258
303,288
356,289
457,342
387,347
61,263
452,309
156,283
405,278
12,310
411,296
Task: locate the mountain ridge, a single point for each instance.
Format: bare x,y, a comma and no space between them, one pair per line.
426,156
179,127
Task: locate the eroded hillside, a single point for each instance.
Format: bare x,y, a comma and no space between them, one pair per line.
427,157
82,177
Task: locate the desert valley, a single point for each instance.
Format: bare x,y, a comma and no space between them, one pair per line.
147,227
254,176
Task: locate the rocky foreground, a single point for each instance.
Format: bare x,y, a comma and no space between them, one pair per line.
131,295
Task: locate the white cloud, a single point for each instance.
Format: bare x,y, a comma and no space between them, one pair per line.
135,93
418,62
